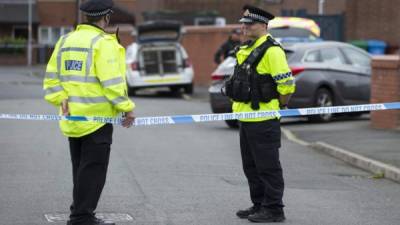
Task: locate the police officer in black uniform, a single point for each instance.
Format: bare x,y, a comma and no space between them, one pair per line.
227,48
262,81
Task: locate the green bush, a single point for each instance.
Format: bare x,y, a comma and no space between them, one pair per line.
9,45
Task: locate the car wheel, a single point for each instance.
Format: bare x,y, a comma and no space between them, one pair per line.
232,123
323,98
131,91
188,89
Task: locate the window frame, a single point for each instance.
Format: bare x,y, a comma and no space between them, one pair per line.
309,52
63,30
343,49
344,59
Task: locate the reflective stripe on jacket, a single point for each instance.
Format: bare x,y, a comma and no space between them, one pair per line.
273,62
87,67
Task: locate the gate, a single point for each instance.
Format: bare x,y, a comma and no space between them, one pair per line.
332,26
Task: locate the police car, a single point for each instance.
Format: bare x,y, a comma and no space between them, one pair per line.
157,59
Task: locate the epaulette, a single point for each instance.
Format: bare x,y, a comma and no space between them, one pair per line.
273,41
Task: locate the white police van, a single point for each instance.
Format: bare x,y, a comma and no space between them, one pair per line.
157,59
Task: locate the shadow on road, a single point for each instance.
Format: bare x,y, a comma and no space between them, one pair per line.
293,121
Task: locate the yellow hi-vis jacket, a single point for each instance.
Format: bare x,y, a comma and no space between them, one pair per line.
88,68
274,63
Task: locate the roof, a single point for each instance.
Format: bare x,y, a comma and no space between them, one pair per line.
17,13
295,22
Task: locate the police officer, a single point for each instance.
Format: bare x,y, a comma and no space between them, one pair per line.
227,48
86,76
262,81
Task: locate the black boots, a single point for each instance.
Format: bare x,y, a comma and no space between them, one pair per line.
259,214
92,221
243,214
265,215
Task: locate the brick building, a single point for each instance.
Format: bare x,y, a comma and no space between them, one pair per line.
373,19
362,19
56,17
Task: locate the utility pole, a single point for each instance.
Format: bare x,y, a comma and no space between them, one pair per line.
29,52
78,13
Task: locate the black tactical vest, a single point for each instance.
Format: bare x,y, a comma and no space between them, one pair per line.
247,85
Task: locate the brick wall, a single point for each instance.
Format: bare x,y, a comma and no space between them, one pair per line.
17,59
365,19
373,19
232,9
64,12
56,13
385,87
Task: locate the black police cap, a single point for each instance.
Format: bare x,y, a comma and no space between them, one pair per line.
252,14
97,7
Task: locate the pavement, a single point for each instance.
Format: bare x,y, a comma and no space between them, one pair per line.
355,142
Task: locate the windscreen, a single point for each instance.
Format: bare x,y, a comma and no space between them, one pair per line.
282,32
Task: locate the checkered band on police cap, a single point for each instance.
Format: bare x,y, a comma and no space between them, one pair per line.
97,7
253,14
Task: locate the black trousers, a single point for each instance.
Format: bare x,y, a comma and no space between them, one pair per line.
259,144
90,155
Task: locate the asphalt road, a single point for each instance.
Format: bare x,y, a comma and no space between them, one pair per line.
173,175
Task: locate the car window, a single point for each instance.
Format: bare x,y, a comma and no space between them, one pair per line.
357,58
332,56
312,56
280,32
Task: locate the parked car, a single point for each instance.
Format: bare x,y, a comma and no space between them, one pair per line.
326,74
157,59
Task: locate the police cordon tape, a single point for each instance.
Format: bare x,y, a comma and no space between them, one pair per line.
181,119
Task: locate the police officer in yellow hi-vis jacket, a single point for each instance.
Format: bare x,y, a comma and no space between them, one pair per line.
86,76
262,81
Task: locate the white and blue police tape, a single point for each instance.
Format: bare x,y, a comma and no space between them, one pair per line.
181,119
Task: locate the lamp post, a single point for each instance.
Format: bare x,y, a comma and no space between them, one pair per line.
78,14
321,4
29,56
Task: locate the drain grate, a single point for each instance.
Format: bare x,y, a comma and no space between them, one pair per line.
114,217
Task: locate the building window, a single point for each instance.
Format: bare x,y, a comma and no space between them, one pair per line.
50,35
20,32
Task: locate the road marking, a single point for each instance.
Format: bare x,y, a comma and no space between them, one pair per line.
292,137
114,217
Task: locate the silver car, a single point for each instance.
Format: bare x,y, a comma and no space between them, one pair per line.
327,74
